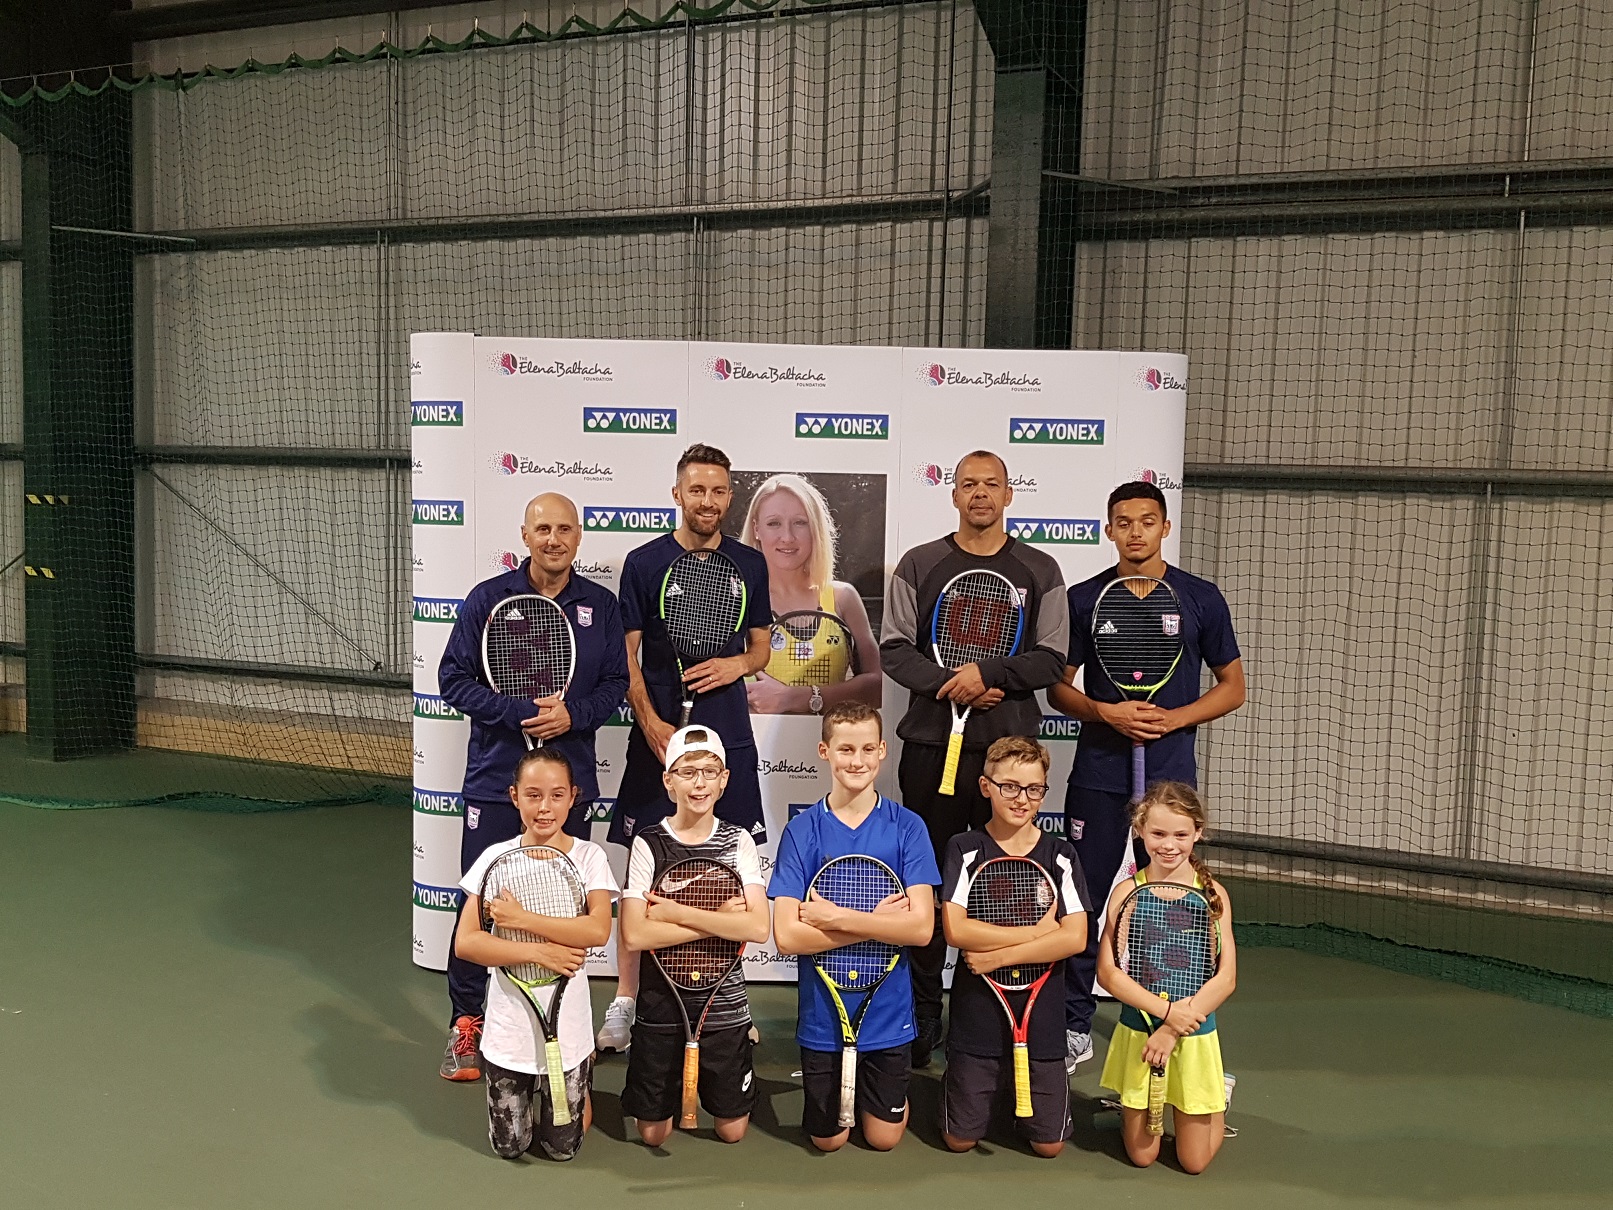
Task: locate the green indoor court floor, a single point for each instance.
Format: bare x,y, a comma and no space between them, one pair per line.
201,1009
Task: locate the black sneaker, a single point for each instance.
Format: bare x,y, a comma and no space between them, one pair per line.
926,1038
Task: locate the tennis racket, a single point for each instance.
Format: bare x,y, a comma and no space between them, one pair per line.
1165,939
861,884
979,615
697,969
703,600
543,881
811,647
528,649
1137,637
1014,892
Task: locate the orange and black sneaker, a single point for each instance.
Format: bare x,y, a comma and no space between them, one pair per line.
462,1060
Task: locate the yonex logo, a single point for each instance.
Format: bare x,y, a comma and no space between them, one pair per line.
1152,379
1042,430
796,808
621,717
629,520
437,898
861,426
1054,531
436,609
600,810
429,705
438,802
1051,822
630,420
1108,627
1057,727
439,512
437,413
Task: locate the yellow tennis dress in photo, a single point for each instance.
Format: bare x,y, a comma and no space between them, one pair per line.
814,655
1194,1079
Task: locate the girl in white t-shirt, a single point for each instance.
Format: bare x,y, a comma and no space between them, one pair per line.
520,1106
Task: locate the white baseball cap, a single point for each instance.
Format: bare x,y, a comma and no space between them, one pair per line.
694,739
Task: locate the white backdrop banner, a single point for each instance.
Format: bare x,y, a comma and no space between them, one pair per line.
875,431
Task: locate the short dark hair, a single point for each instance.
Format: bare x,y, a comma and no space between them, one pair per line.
1018,749
993,454
1138,489
543,756
848,712
708,455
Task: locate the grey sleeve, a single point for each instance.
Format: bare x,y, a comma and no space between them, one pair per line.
899,652
1041,663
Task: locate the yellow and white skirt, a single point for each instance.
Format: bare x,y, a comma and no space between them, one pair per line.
1194,1079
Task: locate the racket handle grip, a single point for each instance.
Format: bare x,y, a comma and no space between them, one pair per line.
691,1085
559,1103
949,771
1156,1101
848,1085
1139,771
1022,1080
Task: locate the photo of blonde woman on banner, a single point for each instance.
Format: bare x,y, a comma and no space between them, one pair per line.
824,649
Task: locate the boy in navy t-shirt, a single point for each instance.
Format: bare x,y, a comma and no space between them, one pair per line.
854,819
1097,811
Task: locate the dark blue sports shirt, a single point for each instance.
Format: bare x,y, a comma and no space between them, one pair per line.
726,711
1102,754
598,685
894,835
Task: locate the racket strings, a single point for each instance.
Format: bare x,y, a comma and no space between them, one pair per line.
1013,892
977,618
860,884
529,648
1137,639
811,643
706,885
544,883
1169,942
703,603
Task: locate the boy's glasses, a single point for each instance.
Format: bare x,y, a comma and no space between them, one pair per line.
689,776
1012,789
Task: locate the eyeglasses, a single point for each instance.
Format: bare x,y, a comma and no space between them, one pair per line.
1012,789
689,776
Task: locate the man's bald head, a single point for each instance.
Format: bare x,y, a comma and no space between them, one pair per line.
552,534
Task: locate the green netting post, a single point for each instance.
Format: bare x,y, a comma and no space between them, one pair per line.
78,424
1038,46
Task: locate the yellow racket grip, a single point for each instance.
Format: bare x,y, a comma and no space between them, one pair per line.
559,1102
1022,1080
1156,1101
691,1085
949,771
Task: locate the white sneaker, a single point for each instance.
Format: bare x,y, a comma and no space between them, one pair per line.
617,1031
1077,1050
1232,1082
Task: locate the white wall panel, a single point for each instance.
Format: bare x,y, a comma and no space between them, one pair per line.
1218,87
324,533
1349,611
1335,350
275,348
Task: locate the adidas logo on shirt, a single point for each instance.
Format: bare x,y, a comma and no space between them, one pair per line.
1108,628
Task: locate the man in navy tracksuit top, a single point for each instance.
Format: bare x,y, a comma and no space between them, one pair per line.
566,723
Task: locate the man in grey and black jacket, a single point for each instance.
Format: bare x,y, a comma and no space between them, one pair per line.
1002,698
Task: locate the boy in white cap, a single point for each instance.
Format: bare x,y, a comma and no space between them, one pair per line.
696,774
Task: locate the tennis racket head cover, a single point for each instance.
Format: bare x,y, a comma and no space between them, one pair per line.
528,647
1137,638
811,641
703,600
978,616
1165,939
1014,892
699,882
860,883
543,881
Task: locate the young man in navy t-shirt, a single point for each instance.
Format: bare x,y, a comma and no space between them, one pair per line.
1097,818
854,818
703,493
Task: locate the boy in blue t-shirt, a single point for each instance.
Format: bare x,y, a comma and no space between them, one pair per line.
854,819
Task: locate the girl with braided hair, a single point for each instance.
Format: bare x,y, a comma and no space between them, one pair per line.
1170,820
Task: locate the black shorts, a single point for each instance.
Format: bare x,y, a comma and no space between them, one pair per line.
653,1090
977,1094
882,1077
520,1114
